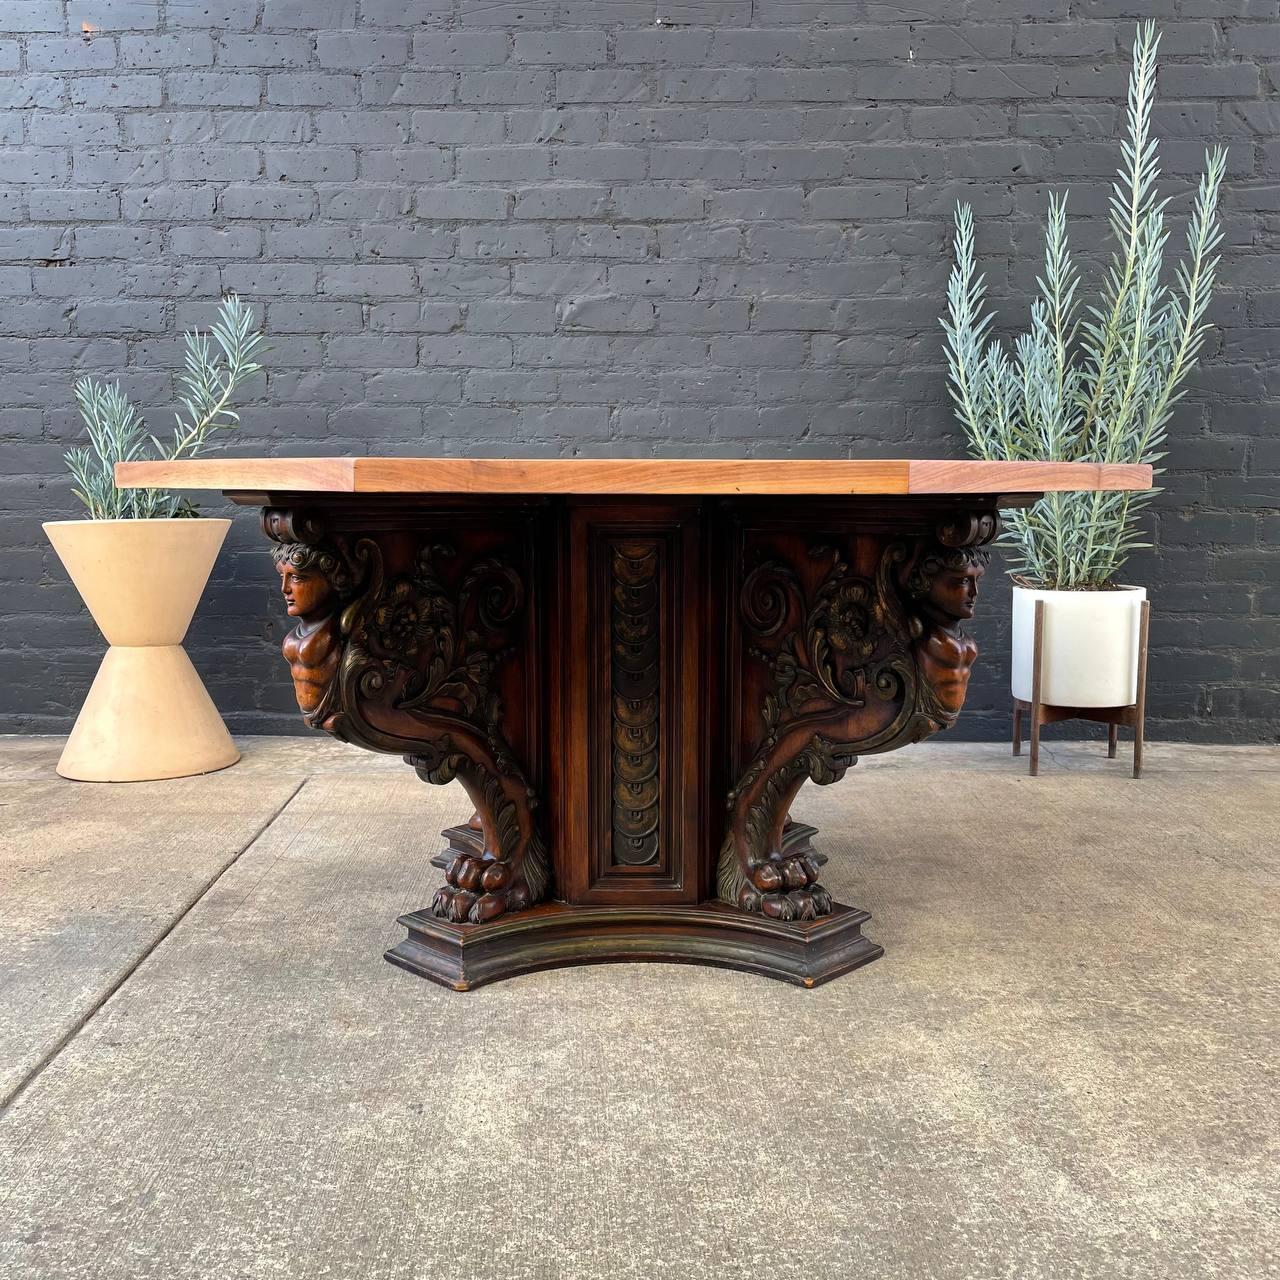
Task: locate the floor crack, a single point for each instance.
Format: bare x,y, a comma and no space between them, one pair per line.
83,1021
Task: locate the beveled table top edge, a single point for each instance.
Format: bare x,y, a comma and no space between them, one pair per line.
626,476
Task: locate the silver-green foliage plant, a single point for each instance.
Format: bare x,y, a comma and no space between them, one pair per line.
212,373
1097,387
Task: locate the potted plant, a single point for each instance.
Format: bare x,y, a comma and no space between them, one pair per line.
140,562
1097,386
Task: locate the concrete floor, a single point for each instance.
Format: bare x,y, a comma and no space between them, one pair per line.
1064,1066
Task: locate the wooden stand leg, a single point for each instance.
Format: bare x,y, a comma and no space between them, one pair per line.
1042,712
1036,659
1141,712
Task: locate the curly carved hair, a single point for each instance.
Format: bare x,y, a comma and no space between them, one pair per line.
299,555
940,560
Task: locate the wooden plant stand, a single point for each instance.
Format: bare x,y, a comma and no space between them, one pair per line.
631,666
1043,713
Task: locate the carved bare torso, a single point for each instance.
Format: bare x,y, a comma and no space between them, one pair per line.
312,652
946,659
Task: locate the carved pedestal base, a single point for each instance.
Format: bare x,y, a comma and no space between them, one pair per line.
631,691
554,935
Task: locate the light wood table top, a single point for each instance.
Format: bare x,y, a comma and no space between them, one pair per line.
629,476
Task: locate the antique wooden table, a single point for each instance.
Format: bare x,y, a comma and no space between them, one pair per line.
632,667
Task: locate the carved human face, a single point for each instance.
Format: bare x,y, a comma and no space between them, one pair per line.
306,591
954,592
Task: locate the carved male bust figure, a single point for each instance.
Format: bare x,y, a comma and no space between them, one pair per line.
944,588
314,585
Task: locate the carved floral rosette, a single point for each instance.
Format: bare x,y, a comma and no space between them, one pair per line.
421,653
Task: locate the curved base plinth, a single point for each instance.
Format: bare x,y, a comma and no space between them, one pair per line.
147,717
554,935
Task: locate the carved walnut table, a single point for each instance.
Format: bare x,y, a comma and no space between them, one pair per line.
632,667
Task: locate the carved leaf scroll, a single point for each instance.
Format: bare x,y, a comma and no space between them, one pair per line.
418,676
834,652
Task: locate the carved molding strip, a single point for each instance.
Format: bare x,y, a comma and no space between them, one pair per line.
635,687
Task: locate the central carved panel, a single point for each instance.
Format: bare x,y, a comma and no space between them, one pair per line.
636,684
628,815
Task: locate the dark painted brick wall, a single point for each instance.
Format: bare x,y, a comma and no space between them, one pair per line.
601,228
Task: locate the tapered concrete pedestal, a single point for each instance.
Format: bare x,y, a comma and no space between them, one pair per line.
147,716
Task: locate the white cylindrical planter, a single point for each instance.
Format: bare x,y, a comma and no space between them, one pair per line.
1090,646
147,716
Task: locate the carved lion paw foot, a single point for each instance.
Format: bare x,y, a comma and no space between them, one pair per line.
479,889
785,889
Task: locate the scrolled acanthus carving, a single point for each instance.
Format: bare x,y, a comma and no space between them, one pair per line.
408,664
857,666
828,638
442,643
842,679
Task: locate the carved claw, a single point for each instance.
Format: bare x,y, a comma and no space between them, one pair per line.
461,899
465,873
785,889
767,877
777,872
802,904
794,876
453,904
798,904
